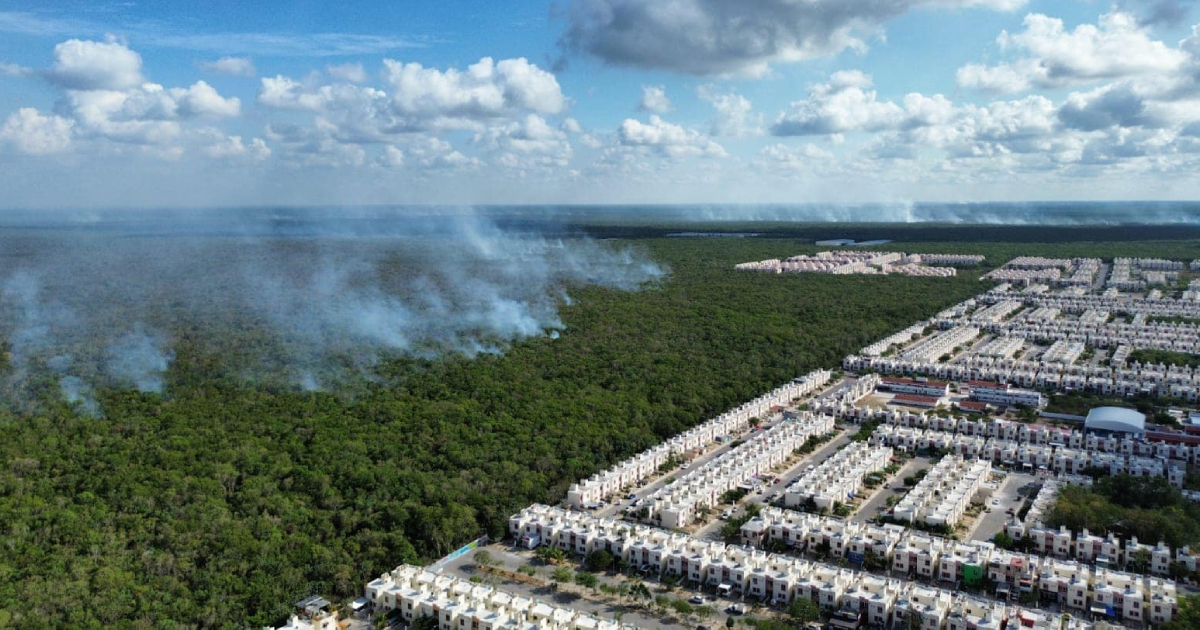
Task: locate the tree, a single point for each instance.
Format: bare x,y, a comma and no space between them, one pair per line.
1178,571
1188,615
561,574
803,610
599,560
550,554
1003,540
484,558
1139,561
587,580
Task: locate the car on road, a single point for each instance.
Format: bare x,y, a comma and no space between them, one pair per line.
736,609
631,496
726,514
696,600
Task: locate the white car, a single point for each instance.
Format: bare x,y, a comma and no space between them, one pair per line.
697,600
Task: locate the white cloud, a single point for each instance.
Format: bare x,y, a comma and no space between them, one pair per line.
201,99
88,65
1118,46
348,72
570,125
794,160
735,115
487,89
842,105
654,100
1003,79
34,133
720,37
529,135
14,70
435,154
233,66
392,157
232,147
667,139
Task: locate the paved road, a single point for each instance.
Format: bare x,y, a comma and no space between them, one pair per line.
712,452
877,504
817,456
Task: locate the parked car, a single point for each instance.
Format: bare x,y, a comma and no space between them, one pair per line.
736,609
696,600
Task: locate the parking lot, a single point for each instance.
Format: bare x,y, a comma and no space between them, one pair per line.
1006,497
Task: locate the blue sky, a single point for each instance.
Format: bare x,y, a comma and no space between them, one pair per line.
596,101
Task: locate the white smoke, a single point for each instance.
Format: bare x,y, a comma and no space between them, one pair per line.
338,287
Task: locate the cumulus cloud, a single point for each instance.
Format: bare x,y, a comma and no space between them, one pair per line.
15,70
654,100
719,37
88,65
844,104
419,99
793,160
233,66
201,99
487,89
734,113
1104,108
232,147
392,157
434,154
348,72
666,139
1118,46
36,134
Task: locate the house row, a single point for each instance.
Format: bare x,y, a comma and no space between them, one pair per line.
832,402
751,574
1113,302
917,554
947,490
1028,374
945,342
1151,459
902,338
606,484
459,604
839,477
953,260
678,504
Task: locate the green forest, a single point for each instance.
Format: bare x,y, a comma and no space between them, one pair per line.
221,502
1146,507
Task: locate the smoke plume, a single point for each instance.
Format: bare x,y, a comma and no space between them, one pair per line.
103,299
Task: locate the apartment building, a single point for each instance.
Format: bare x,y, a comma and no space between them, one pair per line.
461,605
944,494
607,484
838,478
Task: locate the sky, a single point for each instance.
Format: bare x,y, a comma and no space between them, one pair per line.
222,103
